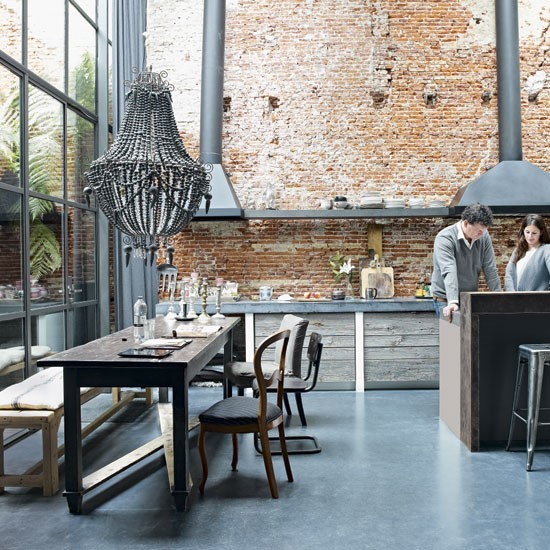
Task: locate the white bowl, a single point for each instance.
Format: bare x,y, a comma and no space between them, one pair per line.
341,204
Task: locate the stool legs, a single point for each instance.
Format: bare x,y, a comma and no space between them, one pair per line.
535,375
515,405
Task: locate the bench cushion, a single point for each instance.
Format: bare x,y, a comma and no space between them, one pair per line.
41,391
10,356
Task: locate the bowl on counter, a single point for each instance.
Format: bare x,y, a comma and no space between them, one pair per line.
338,295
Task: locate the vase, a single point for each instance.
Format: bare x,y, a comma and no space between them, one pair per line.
349,291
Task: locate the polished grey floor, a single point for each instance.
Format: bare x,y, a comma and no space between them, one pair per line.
390,476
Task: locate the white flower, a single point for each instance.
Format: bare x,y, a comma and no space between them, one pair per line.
346,267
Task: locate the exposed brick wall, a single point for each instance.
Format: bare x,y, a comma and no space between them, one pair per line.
326,97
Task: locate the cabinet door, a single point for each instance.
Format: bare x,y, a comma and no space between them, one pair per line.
401,348
337,369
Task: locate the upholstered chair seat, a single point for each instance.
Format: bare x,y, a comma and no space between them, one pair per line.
241,374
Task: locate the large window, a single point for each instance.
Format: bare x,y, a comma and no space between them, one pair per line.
49,135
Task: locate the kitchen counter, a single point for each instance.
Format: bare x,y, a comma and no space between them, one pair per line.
405,304
381,343
479,363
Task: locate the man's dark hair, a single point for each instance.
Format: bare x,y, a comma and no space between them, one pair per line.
478,213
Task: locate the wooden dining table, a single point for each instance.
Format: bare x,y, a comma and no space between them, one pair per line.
97,364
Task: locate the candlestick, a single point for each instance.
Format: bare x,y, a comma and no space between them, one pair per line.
218,314
204,317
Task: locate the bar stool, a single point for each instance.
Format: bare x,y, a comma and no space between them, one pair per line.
535,357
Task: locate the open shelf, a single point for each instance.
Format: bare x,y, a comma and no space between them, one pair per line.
347,213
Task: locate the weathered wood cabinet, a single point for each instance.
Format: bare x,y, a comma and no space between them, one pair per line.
401,348
338,329
366,344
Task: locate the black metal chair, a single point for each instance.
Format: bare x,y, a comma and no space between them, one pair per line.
241,374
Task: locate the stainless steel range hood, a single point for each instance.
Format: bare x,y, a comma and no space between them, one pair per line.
513,186
224,201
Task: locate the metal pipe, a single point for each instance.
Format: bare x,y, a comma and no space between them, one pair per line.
213,50
508,80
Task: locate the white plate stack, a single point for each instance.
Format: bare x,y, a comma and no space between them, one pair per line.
371,200
415,202
394,202
436,203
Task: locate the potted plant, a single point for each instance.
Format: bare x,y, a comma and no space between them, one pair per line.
342,269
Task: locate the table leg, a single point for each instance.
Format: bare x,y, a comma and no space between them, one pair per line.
180,435
227,358
73,441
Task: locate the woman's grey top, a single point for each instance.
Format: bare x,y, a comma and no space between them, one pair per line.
536,275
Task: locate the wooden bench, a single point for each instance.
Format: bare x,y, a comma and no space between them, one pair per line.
36,404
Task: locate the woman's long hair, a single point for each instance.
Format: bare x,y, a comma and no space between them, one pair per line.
522,247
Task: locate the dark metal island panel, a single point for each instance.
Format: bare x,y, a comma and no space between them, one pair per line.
492,326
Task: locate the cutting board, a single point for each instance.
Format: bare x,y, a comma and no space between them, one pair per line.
379,277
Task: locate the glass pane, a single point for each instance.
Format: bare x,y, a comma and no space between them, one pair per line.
110,86
110,19
45,143
47,334
80,154
88,6
10,37
82,65
46,40
12,353
83,323
10,129
82,259
10,252
46,253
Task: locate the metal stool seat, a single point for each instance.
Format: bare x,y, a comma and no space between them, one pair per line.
536,357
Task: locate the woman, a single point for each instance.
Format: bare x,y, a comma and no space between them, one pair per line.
529,266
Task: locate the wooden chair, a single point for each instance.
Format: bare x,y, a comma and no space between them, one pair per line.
298,385
241,414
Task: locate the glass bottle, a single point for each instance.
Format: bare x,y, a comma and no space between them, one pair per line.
140,314
427,287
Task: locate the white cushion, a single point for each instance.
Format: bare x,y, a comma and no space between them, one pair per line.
41,391
10,356
40,351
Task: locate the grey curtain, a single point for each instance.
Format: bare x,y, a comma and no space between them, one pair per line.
138,279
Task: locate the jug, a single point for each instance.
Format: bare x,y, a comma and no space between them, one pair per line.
371,293
265,293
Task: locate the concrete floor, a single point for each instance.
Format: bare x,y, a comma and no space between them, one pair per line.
390,476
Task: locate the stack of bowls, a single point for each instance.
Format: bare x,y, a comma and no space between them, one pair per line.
371,200
340,202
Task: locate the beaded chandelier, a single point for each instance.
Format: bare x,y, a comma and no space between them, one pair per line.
146,183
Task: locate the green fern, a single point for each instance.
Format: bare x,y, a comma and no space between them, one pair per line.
45,251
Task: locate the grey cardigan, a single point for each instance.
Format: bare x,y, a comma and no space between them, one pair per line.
536,275
457,268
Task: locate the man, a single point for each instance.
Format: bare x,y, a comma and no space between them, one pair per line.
461,252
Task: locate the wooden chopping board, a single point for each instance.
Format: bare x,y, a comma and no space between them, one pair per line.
379,277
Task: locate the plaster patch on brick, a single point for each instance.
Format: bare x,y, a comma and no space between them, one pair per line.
174,44
533,16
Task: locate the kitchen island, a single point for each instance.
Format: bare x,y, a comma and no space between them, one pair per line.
478,362
382,343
